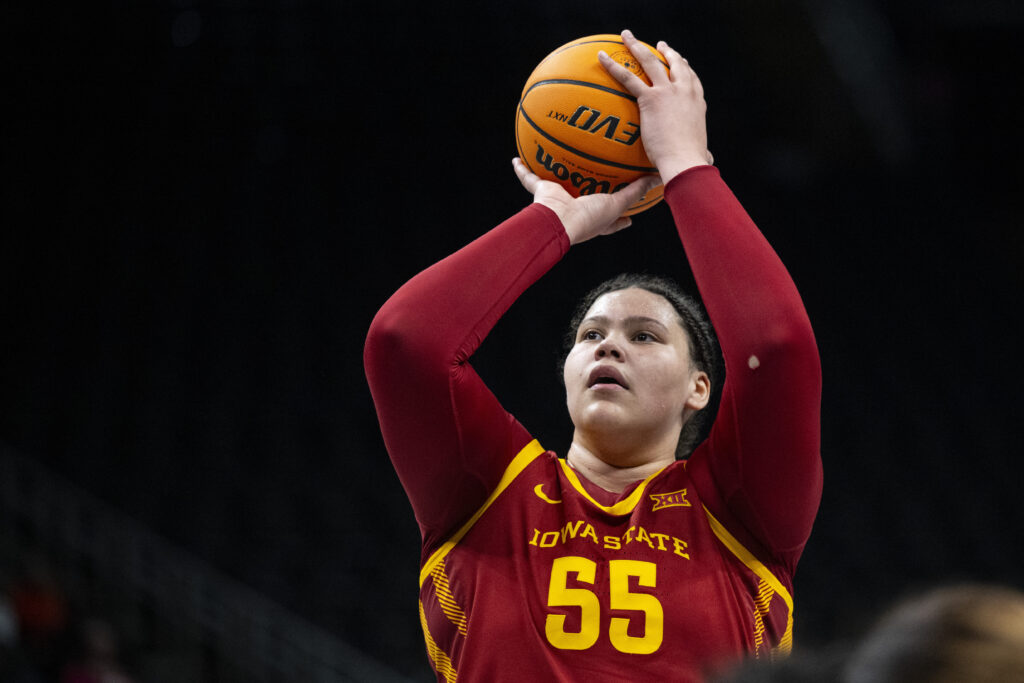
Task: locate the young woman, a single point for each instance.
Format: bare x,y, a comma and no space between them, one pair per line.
641,554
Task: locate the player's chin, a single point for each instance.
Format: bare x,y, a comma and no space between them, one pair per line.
608,413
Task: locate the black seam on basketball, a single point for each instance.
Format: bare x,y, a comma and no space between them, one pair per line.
575,45
585,84
613,41
523,157
519,149
606,162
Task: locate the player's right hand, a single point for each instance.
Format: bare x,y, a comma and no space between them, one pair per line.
590,215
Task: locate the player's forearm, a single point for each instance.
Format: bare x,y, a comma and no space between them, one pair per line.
441,315
767,433
750,296
445,432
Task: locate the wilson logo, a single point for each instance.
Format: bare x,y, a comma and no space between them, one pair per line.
586,184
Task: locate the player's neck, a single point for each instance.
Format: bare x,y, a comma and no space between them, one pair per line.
606,473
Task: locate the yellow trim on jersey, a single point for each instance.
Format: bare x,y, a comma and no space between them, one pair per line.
769,579
438,657
525,457
624,506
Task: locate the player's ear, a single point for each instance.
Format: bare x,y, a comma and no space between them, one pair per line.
700,391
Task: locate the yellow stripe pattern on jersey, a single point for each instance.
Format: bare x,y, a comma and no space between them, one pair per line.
434,567
762,604
438,657
445,598
769,587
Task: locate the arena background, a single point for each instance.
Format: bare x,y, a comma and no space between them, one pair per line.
205,203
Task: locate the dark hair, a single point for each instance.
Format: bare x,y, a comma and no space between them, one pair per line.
704,352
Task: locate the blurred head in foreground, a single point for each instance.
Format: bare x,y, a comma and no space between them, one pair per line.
956,634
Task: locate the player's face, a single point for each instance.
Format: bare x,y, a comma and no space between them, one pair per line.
630,371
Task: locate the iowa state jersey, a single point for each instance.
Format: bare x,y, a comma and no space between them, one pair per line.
530,573
546,583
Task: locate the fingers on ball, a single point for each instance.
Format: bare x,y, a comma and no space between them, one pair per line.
647,59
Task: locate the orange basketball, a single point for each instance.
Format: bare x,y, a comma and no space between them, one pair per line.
577,126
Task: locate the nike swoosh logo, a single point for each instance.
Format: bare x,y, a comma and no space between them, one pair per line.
538,489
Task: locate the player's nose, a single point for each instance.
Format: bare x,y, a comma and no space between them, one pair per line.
608,348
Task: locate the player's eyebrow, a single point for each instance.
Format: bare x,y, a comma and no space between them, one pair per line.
631,320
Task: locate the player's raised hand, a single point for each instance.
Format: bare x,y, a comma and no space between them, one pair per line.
672,109
586,216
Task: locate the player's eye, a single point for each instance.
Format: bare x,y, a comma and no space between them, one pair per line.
590,335
644,337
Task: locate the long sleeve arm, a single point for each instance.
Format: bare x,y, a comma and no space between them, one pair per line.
446,433
763,452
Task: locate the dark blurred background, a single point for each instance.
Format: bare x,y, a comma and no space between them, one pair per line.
204,204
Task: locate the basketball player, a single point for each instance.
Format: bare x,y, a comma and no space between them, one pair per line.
641,555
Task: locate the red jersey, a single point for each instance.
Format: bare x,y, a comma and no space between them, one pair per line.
530,572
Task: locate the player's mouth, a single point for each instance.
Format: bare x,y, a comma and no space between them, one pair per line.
606,377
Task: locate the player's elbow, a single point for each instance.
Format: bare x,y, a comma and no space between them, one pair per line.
395,340
387,340
789,342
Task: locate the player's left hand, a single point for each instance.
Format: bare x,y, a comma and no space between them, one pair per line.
586,216
672,109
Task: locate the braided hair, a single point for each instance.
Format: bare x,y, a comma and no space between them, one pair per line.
703,344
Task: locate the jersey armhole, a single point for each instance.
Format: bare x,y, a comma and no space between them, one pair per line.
528,454
770,584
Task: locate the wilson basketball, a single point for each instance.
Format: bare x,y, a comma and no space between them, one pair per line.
577,126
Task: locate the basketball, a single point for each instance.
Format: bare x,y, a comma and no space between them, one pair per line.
577,126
